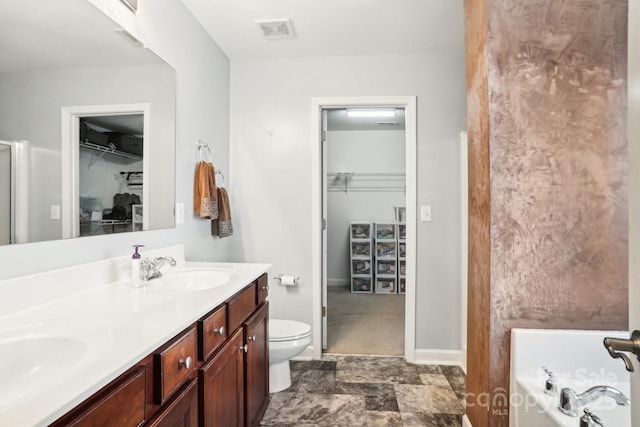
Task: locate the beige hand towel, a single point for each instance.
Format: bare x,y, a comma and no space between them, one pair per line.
205,200
222,227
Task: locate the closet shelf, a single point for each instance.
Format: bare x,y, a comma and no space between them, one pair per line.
366,181
106,150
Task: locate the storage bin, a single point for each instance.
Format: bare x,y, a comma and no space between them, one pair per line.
361,284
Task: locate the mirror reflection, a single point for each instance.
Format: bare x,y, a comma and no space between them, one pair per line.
67,71
111,174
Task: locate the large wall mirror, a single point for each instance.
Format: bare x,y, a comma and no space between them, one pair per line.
87,125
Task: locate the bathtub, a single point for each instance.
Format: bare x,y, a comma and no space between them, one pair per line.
579,361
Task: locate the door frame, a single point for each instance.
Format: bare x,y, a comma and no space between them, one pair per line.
19,190
71,153
318,281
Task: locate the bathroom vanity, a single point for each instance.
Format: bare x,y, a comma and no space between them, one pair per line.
190,348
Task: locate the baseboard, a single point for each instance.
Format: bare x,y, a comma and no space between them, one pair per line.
466,422
338,282
439,357
422,357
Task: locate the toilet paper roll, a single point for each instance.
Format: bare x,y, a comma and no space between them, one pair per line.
289,280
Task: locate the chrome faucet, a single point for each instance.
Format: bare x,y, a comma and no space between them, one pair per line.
150,268
589,419
570,401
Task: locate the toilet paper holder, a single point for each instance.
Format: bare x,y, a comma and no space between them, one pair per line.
287,280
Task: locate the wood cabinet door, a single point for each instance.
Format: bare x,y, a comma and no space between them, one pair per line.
180,412
222,386
257,365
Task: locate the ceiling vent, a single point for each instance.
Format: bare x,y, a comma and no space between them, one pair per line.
276,28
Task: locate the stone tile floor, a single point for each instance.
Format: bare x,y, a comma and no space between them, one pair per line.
368,391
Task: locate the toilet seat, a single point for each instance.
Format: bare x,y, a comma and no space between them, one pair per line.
287,330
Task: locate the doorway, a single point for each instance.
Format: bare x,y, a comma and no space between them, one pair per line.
405,183
13,192
365,204
91,135
5,194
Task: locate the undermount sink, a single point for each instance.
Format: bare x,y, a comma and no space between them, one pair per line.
36,355
189,280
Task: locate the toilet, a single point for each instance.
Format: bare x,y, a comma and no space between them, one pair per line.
287,339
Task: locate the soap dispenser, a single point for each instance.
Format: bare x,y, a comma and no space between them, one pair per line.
135,267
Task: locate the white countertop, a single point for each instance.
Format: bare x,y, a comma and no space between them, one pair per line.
120,326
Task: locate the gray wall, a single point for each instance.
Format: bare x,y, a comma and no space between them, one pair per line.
271,134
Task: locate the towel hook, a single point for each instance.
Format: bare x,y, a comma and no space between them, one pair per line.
202,145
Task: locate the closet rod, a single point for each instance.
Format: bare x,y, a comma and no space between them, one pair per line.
367,189
350,174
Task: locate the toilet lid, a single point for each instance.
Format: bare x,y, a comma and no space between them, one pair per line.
286,330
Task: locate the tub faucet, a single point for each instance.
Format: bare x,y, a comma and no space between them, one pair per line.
589,419
570,401
616,347
150,268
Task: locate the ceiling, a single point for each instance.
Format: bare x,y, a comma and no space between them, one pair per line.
333,27
39,34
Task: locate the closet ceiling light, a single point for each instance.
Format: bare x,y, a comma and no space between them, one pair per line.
370,113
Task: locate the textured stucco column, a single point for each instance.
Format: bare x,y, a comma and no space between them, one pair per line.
548,178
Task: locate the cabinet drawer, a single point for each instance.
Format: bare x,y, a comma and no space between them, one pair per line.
120,406
241,306
212,331
263,288
174,364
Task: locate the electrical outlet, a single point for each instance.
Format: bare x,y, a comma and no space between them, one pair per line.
55,212
179,213
425,213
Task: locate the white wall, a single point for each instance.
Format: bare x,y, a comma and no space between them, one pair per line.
202,105
370,151
271,163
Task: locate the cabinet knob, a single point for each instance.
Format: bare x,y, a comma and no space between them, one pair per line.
245,348
265,287
252,338
219,331
186,363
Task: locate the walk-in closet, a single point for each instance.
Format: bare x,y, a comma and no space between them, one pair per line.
365,204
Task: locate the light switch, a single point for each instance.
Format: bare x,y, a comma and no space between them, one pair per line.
179,213
425,213
55,212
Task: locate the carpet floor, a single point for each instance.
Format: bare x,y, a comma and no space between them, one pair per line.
368,324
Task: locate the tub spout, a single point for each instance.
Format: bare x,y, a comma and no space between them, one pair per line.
570,401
